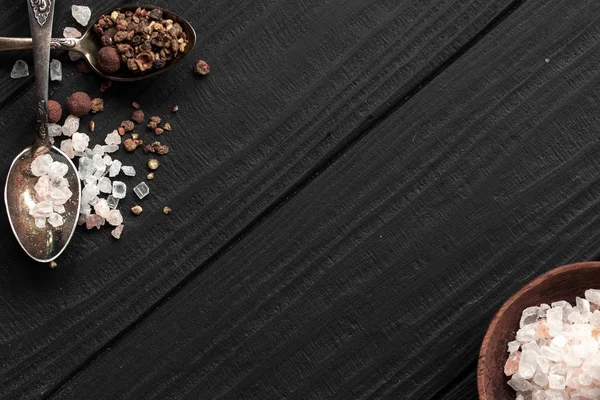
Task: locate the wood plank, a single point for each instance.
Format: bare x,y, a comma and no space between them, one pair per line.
291,82
378,278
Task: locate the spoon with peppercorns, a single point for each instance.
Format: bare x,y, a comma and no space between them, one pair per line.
128,43
42,191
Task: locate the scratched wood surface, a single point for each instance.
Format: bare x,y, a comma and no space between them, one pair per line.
294,85
378,276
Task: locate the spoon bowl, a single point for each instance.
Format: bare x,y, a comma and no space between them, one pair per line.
43,245
89,44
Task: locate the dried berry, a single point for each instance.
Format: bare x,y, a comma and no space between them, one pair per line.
137,210
128,125
202,67
54,111
97,105
150,176
79,104
82,66
158,131
108,60
153,164
175,109
167,126
137,116
135,105
167,210
92,126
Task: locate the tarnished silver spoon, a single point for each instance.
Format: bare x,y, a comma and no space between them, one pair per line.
89,44
42,244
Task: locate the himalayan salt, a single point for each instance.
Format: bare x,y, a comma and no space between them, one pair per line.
556,354
81,14
114,218
19,70
70,32
70,126
116,233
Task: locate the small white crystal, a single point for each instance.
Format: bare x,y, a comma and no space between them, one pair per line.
519,383
40,222
513,346
80,141
70,126
81,14
525,334
527,364
127,170
556,382
59,209
116,233
112,202
113,138
58,169
41,164
42,209
119,190
54,130
55,70
107,159
55,220
593,296
559,342
111,148
583,305
584,379
114,218
70,32
98,162
19,70
105,185
115,168
552,353
101,208
529,316
540,378
142,191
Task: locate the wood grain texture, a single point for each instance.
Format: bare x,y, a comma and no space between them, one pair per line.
292,83
378,279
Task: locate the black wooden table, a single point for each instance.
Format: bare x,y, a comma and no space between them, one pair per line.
356,187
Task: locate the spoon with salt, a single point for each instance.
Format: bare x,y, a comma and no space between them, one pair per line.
42,243
89,44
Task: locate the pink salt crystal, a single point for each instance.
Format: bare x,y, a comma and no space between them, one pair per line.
512,364
90,221
116,233
542,331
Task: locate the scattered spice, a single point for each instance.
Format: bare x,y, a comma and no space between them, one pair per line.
128,125
54,111
137,116
53,264
153,164
105,85
140,42
166,210
135,105
121,130
131,144
202,67
175,109
135,136
158,131
97,105
150,176
154,121
167,126
79,104
156,147
137,210
92,126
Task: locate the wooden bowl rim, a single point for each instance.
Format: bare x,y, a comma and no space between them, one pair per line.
481,378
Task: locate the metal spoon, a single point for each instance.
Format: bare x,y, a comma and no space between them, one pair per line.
45,244
89,44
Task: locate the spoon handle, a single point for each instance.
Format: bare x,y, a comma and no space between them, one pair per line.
41,13
10,43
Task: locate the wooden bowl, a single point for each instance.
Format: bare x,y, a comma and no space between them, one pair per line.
562,283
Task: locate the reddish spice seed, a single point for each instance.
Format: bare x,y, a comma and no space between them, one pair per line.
92,126
108,60
54,111
137,116
158,131
202,67
121,130
135,105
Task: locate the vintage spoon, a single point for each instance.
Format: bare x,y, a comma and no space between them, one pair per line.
42,244
89,44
